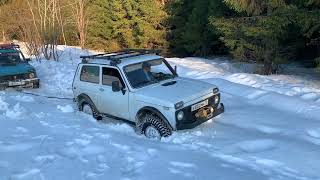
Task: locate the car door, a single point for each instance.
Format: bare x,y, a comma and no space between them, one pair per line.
113,103
88,83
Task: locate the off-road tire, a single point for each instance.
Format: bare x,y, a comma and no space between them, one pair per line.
36,85
153,120
95,113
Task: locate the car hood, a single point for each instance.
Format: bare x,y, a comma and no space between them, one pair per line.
13,69
169,93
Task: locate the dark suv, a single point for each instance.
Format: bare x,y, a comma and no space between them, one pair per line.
15,71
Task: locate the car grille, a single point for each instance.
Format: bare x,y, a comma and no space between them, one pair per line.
190,117
14,77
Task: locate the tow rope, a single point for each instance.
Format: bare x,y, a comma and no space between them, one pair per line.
40,95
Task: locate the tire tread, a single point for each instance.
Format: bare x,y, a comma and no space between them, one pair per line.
150,119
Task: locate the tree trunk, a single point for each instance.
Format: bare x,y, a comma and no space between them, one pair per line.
80,16
267,66
3,36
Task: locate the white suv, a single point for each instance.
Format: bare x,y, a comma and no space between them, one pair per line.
141,87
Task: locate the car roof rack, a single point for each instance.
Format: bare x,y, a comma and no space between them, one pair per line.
116,57
9,46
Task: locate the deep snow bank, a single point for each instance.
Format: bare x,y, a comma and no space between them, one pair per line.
272,99
56,76
303,86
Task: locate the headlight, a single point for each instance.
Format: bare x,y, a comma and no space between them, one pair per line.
215,91
179,105
216,99
32,75
180,115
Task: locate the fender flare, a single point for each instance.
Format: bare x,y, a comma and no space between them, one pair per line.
156,112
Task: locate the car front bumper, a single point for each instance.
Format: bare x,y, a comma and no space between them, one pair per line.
25,83
218,110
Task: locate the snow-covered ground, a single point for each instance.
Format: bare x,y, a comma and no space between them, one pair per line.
270,130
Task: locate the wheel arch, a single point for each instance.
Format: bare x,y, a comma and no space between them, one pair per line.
152,110
84,98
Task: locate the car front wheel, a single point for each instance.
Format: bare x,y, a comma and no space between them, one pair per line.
36,85
153,127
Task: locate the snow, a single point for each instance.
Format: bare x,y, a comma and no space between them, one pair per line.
257,145
15,112
315,133
270,130
65,109
305,86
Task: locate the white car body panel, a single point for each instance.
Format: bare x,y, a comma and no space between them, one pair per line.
112,102
81,87
186,90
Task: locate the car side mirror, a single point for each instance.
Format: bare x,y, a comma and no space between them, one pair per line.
116,86
176,69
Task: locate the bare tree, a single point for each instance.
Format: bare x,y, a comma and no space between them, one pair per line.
47,25
81,19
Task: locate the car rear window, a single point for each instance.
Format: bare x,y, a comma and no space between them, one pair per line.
90,74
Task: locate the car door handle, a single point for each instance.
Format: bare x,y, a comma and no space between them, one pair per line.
101,89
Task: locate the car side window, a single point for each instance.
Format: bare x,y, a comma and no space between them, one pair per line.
90,74
109,75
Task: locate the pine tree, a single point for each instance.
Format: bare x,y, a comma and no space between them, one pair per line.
127,24
190,30
270,31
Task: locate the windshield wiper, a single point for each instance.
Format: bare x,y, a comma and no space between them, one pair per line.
142,83
162,77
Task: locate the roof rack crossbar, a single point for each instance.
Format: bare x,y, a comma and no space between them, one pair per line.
128,56
116,57
97,55
146,51
124,55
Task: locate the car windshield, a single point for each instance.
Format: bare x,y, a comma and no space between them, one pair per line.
148,72
10,57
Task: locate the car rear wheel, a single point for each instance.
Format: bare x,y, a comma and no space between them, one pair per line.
87,109
153,127
90,110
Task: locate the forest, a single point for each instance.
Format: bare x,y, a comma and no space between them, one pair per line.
269,32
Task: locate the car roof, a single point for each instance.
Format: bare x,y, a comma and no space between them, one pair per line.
8,51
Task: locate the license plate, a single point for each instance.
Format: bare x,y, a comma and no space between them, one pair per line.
18,83
199,105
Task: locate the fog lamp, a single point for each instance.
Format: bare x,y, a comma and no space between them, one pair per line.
216,99
180,115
